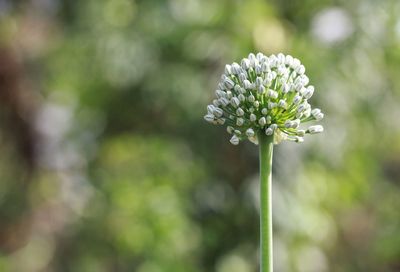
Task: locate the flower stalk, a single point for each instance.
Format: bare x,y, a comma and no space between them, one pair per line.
266,144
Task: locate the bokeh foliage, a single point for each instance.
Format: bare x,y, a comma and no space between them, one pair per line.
107,165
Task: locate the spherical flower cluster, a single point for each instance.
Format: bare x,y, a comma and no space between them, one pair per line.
264,94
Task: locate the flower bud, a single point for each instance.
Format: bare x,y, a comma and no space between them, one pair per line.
319,116
221,121
298,139
295,123
210,109
286,88
260,56
235,68
253,117
230,129
224,102
229,83
209,118
258,69
308,92
301,132
300,69
289,60
315,111
282,104
242,77
218,112
239,121
297,99
271,105
269,131
247,84
262,121
296,63
251,98
239,112
250,132
234,140
220,93
265,67
235,102
259,81
315,129
245,64
264,111
261,89
228,69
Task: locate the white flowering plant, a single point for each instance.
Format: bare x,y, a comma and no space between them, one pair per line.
265,100
268,94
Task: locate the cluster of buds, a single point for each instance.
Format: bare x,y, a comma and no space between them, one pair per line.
264,94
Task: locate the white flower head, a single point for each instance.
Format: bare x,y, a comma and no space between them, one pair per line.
265,95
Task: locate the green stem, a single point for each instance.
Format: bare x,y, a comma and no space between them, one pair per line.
266,150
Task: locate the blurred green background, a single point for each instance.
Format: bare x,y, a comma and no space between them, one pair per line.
106,163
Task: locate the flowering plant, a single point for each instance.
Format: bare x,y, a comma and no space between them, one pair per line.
265,100
268,94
